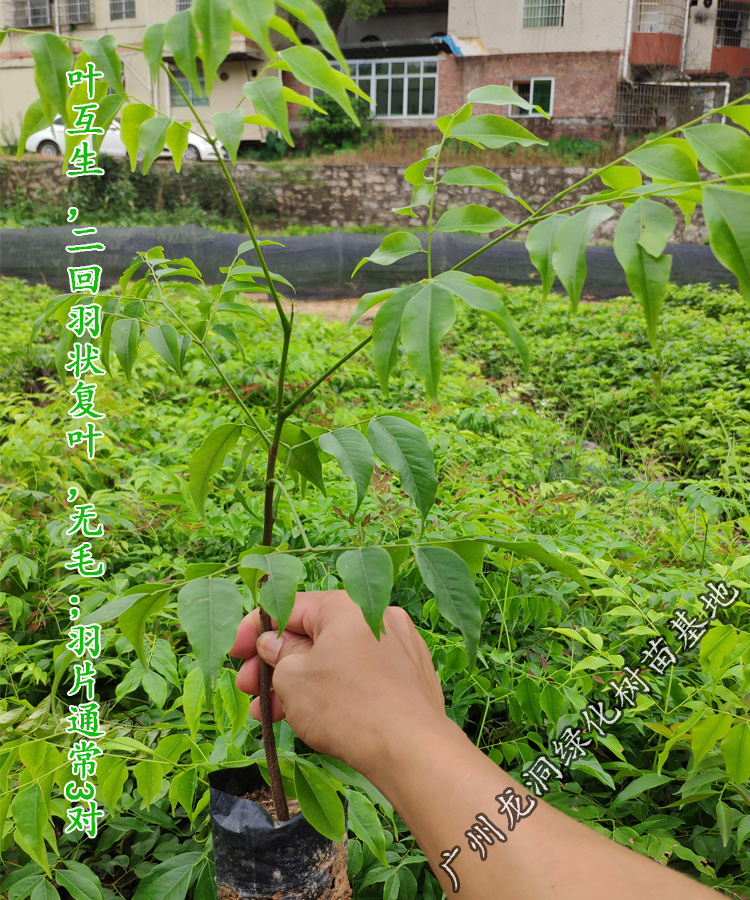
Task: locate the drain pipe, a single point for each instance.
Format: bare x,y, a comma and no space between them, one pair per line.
685,29
628,41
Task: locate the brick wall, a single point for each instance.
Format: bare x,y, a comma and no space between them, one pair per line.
584,92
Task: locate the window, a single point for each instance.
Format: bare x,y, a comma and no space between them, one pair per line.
538,91
733,24
543,13
77,12
400,88
121,9
177,98
30,13
183,4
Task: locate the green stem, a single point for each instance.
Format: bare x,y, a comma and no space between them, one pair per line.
293,508
430,228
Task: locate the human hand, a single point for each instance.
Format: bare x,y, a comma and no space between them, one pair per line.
343,692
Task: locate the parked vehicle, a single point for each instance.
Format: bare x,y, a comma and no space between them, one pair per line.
51,142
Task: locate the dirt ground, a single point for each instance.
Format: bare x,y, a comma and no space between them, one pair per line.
333,310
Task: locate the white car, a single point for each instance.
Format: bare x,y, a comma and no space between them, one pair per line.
51,142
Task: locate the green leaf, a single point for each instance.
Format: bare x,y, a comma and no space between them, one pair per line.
386,328
52,59
498,95
304,458
569,248
171,346
309,13
229,128
30,818
722,149
707,732
170,879
449,579
470,550
176,138
193,699
311,67
367,573
640,237
45,891
213,19
149,776
725,821
103,53
727,215
539,243
152,138
80,881
34,120
182,788
208,459
253,19
353,454
483,295
153,48
735,748
267,96
277,594
133,116
404,447
479,177
393,247
494,132
471,219
318,801
533,550
181,38
665,161
133,620
236,703
125,334
228,333
366,825
621,178
427,318
111,775
639,785
743,830
210,610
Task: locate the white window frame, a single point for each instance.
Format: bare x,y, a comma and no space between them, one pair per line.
371,87
538,9
26,15
527,112
78,12
118,8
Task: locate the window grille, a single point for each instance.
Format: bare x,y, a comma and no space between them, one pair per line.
400,88
77,12
31,13
733,24
121,9
538,91
182,5
660,16
177,98
650,106
543,13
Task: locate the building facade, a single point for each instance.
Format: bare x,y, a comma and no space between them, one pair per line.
597,66
127,20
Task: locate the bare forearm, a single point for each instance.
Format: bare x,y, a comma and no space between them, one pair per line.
442,786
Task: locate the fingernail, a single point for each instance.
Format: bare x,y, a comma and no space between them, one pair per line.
269,647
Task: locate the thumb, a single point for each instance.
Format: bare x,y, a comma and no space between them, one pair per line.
269,647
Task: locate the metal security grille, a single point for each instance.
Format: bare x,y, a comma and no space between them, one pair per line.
660,16
733,24
183,4
121,9
653,107
77,12
30,13
543,13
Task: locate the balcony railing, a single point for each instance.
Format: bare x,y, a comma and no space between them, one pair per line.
659,17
